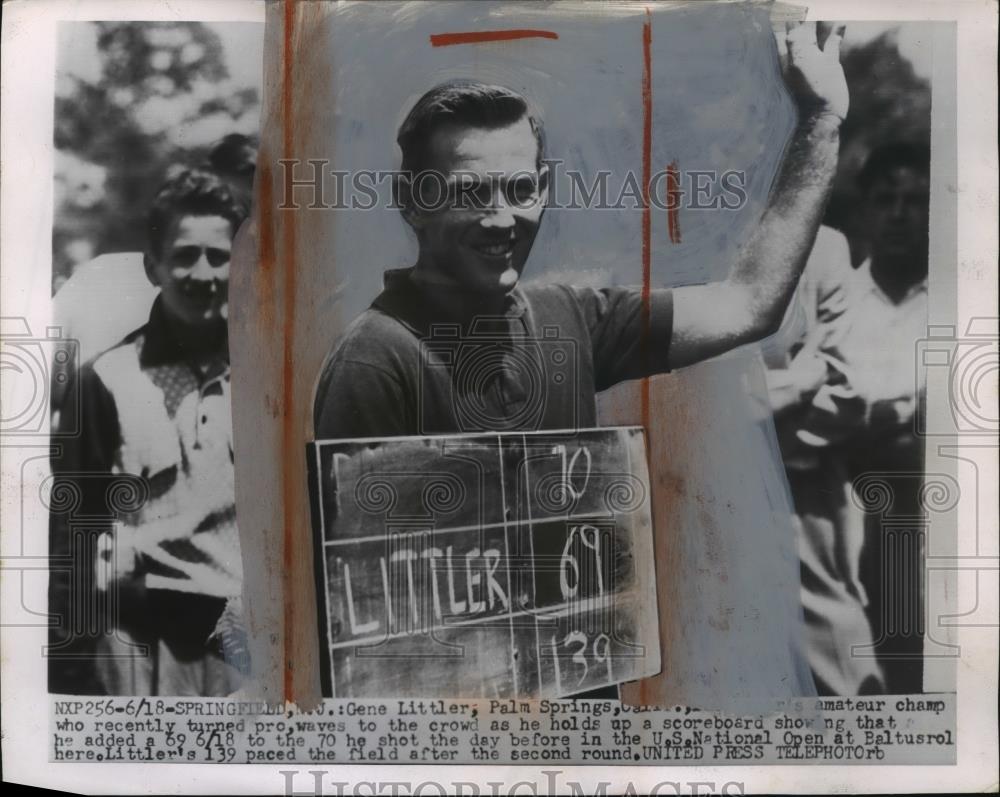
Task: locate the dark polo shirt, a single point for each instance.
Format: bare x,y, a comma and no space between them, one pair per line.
405,367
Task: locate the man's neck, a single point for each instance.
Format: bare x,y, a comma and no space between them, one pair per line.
897,277
202,344
455,301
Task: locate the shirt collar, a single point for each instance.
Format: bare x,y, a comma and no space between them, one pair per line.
160,347
418,309
865,273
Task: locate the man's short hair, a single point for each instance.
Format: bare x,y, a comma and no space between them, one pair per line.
461,102
234,154
191,192
891,155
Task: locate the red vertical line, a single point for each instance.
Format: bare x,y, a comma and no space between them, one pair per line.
647,168
289,449
647,159
266,246
673,203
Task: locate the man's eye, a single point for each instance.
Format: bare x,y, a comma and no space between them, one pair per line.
522,192
185,256
473,195
217,257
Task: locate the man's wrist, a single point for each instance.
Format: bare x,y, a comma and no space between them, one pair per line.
820,122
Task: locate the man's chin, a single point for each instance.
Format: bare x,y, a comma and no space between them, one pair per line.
897,250
508,279
205,321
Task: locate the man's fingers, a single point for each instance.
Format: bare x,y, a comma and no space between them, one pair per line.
799,35
842,372
834,40
779,42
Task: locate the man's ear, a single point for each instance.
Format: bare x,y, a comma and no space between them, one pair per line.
149,264
403,188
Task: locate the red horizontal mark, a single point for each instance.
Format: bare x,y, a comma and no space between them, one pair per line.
479,36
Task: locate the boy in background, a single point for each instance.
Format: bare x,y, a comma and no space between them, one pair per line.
141,604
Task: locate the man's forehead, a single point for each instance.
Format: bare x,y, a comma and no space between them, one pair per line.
193,225
465,147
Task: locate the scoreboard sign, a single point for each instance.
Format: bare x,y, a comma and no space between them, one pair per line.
488,565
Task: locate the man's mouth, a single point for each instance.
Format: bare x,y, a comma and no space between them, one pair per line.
495,249
201,293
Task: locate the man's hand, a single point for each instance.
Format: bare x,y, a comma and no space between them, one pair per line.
809,369
118,562
814,76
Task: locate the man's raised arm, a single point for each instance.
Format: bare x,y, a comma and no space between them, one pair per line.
750,302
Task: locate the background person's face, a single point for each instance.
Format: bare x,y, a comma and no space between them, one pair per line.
193,271
482,246
898,214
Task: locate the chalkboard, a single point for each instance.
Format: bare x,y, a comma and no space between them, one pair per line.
492,565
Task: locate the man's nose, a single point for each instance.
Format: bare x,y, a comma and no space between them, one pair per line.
202,269
500,213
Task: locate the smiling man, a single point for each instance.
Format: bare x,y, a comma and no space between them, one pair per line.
456,343
156,406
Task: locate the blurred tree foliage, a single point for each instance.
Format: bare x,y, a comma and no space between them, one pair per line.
889,102
159,94
132,99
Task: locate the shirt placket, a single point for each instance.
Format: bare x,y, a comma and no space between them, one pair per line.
213,386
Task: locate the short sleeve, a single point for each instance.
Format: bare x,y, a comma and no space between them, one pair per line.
624,346
358,399
829,268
